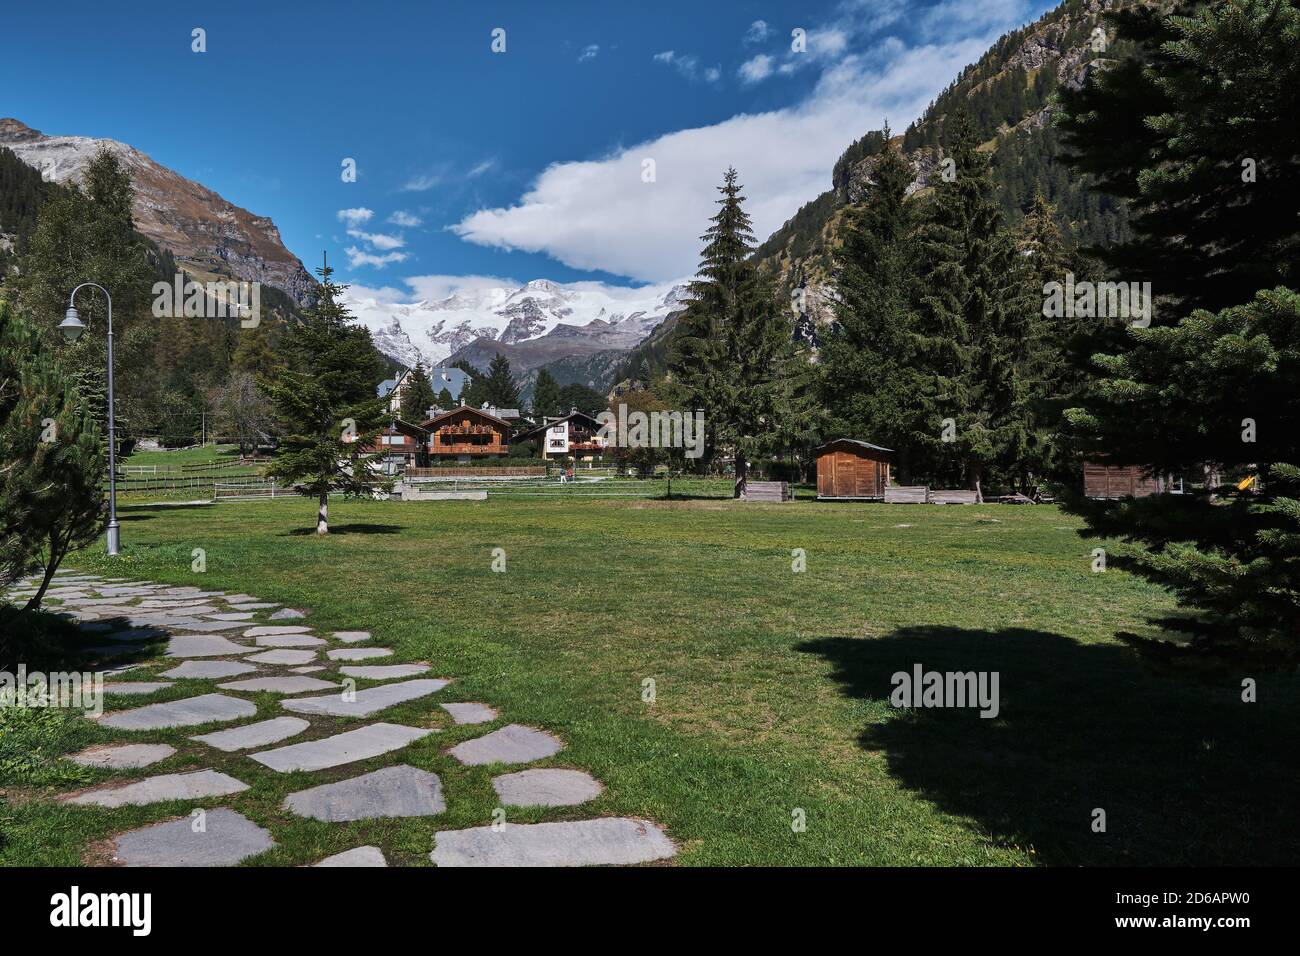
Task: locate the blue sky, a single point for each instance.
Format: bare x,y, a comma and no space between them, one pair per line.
523,164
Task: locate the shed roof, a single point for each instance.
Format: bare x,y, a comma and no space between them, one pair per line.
855,442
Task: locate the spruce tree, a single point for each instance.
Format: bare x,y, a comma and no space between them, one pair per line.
867,356
325,398
1196,128
445,401
546,396
51,458
973,325
733,345
499,388
1219,387
417,395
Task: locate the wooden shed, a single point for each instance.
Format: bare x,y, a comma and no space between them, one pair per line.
849,468
1101,480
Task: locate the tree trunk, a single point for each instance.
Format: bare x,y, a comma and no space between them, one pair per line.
976,473
322,514
742,472
52,565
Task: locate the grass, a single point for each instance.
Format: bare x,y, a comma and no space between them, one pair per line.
771,687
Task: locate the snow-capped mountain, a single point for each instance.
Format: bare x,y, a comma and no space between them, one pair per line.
580,316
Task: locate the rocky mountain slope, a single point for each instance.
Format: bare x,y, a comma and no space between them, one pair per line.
208,235
533,325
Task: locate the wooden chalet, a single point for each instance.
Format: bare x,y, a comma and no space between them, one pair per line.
466,434
849,468
576,435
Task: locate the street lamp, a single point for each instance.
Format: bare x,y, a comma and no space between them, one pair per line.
72,327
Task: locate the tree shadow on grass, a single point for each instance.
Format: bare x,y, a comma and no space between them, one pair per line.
1186,772
360,528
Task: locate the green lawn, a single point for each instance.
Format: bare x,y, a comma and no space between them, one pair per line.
772,687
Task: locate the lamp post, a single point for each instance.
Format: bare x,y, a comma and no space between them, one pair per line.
72,327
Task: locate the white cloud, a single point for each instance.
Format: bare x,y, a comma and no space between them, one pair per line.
482,167
589,52
755,69
598,214
379,240
758,32
688,65
359,257
421,182
404,218
355,217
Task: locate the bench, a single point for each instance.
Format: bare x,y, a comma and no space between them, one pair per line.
767,491
954,497
907,495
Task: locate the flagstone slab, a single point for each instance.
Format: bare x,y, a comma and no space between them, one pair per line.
197,625
399,791
203,645
283,657
231,616
351,637
136,687
239,598
260,734
361,856
384,671
546,787
365,702
360,744
280,685
288,640
195,785
514,743
309,669
287,614
122,756
188,592
94,627
210,670
358,653
608,841
190,712
253,606
136,634
226,838
470,713
265,629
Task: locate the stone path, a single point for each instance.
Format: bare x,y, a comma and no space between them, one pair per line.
210,636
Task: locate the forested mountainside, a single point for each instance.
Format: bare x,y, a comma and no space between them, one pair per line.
1009,94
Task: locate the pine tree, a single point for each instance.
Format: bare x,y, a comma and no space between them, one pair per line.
733,344
1197,129
417,395
499,388
546,395
325,398
445,401
866,358
51,458
1218,387
973,325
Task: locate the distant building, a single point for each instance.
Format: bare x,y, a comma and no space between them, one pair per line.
1101,480
575,435
452,379
849,468
402,446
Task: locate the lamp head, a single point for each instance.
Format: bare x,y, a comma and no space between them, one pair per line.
72,326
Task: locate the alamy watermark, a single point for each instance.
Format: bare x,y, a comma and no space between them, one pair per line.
1103,300
922,688
217,299
38,689
655,429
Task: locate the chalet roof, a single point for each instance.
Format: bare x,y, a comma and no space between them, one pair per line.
406,428
432,422
572,416
855,442
386,387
